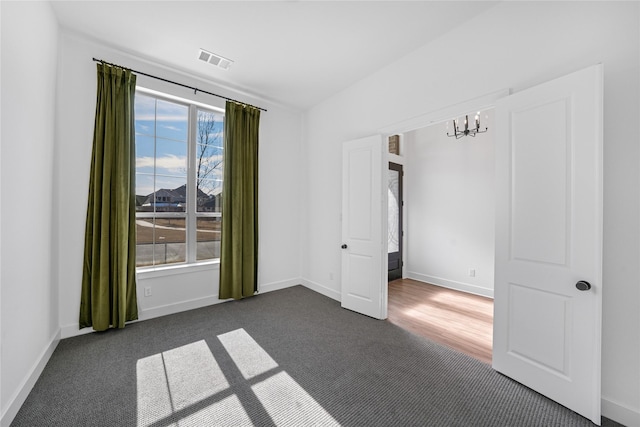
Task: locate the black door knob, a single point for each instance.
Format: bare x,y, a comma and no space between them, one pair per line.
344,246
583,285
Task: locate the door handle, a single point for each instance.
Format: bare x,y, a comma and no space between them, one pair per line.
344,246
583,285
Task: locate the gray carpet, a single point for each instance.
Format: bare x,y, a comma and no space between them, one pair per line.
286,358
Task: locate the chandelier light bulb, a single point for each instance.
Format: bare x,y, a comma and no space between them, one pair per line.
459,133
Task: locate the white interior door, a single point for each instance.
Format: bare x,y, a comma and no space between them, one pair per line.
364,268
549,239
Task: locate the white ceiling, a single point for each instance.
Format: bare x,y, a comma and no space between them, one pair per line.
294,52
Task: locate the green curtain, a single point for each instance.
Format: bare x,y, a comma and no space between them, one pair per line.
109,272
239,240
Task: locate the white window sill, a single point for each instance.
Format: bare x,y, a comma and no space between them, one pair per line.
174,269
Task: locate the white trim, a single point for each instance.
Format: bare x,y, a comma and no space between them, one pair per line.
174,269
73,329
321,289
192,183
451,284
275,286
620,413
21,394
394,158
185,101
178,307
443,114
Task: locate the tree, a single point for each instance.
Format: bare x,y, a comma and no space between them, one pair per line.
208,154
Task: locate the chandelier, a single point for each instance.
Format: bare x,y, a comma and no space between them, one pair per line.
459,133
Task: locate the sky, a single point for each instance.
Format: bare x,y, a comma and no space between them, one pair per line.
162,128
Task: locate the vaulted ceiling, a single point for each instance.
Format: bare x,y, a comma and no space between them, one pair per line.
294,52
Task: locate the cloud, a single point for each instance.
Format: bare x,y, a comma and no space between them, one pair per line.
171,163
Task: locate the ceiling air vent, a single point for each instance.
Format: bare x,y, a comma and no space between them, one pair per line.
213,59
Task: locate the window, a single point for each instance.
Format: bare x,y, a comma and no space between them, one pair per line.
179,165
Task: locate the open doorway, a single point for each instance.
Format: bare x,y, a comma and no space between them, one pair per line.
547,185
447,286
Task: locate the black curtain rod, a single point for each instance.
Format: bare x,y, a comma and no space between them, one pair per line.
195,89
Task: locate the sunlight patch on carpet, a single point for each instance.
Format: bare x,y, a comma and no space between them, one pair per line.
186,386
177,379
249,357
288,404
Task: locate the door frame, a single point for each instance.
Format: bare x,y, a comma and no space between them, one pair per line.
434,117
483,102
443,114
431,118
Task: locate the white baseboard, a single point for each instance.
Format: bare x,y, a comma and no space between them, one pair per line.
620,413
331,293
18,398
73,330
167,309
451,284
208,300
274,286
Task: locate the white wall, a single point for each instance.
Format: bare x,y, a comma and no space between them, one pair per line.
513,45
29,311
449,200
176,290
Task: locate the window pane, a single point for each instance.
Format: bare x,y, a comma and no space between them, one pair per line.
144,193
144,242
208,240
145,154
145,113
171,120
170,240
209,149
171,157
209,196
170,194
208,162
393,216
210,128
160,241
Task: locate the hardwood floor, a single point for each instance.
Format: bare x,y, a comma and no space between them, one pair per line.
456,319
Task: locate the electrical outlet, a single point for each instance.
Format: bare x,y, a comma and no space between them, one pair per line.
147,291
472,272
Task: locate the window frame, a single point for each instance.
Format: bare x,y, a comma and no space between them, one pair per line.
190,213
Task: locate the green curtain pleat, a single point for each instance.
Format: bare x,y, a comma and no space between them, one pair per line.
108,296
239,240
